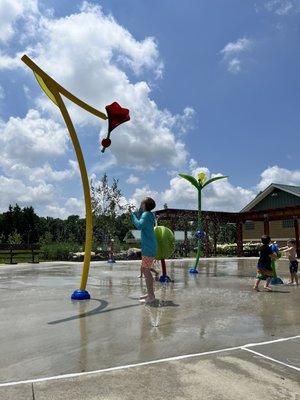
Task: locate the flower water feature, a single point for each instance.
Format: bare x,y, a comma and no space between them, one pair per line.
199,184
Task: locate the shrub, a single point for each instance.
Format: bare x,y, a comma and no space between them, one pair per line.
58,251
230,249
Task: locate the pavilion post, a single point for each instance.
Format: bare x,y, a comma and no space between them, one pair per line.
206,240
239,232
185,233
296,227
266,225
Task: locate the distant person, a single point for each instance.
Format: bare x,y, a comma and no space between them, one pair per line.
144,220
291,252
264,269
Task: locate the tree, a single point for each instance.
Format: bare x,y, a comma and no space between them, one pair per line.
107,204
14,238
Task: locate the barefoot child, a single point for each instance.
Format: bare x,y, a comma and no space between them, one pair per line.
264,269
291,253
146,223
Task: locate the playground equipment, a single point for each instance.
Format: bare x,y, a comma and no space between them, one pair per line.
275,279
116,115
165,247
200,234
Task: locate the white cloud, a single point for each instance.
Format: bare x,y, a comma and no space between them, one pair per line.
28,146
2,93
13,10
46,198
104,164
234,65
185,121
220,196
150,139
233,51
133,180
283,7
30,140
141,193
72,206
275,174
7,62
16,191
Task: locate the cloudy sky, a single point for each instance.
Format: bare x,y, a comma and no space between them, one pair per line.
211,86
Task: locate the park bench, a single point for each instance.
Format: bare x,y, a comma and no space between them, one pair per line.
12,250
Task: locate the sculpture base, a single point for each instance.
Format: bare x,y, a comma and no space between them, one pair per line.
165,279
80,295
276,281
193,270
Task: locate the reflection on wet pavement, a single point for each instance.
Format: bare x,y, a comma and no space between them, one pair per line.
44,333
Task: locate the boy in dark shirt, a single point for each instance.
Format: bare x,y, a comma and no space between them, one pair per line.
264,269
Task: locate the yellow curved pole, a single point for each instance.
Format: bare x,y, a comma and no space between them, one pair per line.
86,191
54,91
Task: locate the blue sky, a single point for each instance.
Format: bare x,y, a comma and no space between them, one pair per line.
211,86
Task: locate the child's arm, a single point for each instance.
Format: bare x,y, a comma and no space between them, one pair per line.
286,249
139,223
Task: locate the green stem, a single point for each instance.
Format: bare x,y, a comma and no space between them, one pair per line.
273,269
199,210
199,227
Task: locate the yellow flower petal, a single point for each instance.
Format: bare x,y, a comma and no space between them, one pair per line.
202,177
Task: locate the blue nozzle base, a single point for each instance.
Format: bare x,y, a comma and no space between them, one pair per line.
276,281
165,279
80,295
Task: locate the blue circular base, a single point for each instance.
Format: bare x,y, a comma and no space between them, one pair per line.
80,295
111,261
276,281
193,270
165,279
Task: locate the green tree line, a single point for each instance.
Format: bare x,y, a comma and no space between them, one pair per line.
111,220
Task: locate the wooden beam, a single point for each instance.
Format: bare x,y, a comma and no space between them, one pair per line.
206,239
296,226
239,231
266,225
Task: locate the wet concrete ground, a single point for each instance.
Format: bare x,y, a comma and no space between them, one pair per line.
43,333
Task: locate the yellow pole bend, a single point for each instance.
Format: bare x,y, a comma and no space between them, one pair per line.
86,190
51,83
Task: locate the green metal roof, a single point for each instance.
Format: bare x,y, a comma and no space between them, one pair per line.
288,188
287,195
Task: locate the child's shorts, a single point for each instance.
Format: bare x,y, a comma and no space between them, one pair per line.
293,267
263,272
147,261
